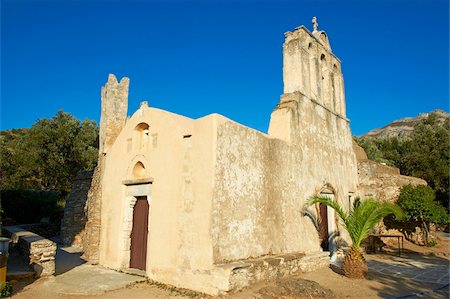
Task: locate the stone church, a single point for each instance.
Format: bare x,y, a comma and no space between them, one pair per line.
211,205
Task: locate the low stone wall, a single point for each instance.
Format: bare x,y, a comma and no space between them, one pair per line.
382,182
248,272
39,251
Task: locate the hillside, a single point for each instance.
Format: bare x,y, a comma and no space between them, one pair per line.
405,127
7,135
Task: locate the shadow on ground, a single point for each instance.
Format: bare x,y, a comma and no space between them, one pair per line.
19,272
22,275
66,259
412,275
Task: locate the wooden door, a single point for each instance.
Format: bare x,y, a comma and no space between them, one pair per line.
323,214
139,234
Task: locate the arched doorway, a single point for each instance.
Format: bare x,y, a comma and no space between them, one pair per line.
137,208
327,223
323,228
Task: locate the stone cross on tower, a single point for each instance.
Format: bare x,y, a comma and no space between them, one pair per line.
315,24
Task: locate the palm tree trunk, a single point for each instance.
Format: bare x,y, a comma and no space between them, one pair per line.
355,265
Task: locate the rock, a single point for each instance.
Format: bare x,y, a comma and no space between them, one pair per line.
405,127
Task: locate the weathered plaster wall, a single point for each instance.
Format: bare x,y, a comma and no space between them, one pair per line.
179,158
262,183
320,155
242,205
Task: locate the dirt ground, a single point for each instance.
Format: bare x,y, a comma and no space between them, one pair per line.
324,283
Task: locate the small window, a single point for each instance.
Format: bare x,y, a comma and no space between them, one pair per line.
323,58
142,136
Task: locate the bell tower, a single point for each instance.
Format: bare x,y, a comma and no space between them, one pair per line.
311,68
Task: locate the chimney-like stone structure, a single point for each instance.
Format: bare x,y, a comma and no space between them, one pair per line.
112,120
114,111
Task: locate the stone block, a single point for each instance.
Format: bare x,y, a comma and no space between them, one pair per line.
39,251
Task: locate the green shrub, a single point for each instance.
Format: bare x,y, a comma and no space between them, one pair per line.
420,207
5,291
418,203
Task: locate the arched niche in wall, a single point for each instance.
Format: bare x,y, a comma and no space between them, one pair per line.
324,39
314,70
139,171
336,87
141,136
325,81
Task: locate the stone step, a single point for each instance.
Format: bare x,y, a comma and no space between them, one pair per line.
136,272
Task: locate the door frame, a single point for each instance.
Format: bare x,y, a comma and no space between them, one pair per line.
132,193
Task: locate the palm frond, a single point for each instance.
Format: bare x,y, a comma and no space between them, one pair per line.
334,204
370,212
362,218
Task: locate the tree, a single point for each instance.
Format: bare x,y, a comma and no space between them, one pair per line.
358,222
49,154
370,146
387,150
427,155
419,205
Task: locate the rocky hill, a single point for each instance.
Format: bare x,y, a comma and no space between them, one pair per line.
8,135
404,127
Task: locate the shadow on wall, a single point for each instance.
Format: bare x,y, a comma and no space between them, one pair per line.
334,238
314,219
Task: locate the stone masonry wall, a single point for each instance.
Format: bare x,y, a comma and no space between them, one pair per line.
380,181
74,220
39,251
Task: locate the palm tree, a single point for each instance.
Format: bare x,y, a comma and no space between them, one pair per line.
358,222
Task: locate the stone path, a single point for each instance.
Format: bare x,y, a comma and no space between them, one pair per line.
435,271
74,276
413,269
88,279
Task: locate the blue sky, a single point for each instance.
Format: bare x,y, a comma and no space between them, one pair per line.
199,57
